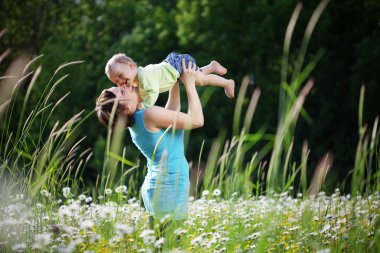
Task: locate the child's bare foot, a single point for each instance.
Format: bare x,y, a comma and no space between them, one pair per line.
230,89
218,68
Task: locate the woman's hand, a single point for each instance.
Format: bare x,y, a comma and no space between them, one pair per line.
188,76
157,117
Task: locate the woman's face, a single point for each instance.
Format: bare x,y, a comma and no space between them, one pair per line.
129,98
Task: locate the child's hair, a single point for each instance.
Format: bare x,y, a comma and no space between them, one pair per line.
117,58
104,105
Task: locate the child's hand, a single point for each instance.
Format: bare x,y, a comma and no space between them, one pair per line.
189,73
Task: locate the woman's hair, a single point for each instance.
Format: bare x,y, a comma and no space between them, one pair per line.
104,106
117,58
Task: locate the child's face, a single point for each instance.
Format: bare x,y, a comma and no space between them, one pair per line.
124,74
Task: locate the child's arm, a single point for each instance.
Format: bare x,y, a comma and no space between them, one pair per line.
158,117
150,98
174,99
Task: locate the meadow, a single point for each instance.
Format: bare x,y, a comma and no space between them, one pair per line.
281,223
46,207
253,195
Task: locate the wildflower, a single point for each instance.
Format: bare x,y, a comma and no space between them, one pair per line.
325,228
74,206
252,236
321,194
165,219
134,217
108,191
77,242
88,199
294,228
197,240
41,241
123,228
216,193
114,240
66,192
205,193
148,236
132,200
180,231
19,196
20,247
82,197
224,239
39,206
121,189
64,211
87,224
159,242
96,238
70,248
106,212
45,193
324,250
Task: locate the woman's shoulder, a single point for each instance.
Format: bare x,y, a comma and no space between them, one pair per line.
153,117
144,118
152,112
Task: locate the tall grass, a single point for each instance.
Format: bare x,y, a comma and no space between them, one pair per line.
232,168
46,159
253,196
365,175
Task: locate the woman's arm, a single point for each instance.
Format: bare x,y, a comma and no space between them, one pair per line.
158,117
174,99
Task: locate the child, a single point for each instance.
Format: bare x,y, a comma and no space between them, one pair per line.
156,78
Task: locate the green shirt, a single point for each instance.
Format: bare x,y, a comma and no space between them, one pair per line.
155,79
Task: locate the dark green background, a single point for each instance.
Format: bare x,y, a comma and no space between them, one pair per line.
246,36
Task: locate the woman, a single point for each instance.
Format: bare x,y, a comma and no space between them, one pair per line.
158,134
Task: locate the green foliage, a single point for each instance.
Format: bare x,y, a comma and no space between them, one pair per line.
37,155
247,37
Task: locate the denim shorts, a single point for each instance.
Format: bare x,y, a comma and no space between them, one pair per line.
175,60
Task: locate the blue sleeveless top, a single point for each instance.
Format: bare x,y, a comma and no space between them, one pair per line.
165,190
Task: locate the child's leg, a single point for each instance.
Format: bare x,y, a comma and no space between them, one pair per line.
215,80
214,67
